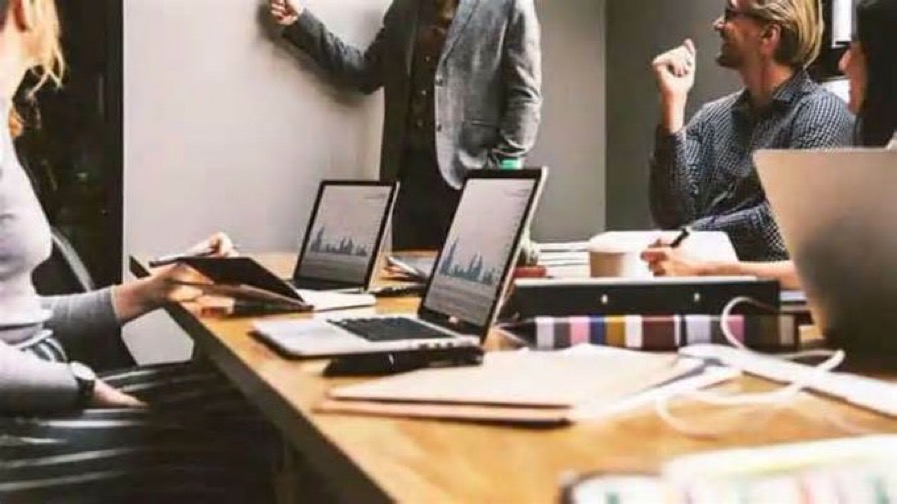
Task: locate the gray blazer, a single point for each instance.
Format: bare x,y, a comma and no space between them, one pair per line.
488,82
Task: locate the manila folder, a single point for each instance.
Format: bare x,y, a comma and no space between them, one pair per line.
523,386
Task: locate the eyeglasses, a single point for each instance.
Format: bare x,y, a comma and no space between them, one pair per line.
731,13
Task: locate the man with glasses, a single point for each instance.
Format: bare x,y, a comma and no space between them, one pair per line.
702,173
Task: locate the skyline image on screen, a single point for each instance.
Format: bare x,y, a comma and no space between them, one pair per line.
339,246
478,247
473,271
344,234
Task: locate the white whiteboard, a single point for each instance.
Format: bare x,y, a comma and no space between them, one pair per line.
224,129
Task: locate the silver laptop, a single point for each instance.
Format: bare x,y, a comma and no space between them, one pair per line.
460,303
837,212
344,235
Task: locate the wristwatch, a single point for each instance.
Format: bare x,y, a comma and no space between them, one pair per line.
86,379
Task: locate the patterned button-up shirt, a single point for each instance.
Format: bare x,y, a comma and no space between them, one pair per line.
704,176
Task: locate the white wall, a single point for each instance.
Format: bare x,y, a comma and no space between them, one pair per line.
225,130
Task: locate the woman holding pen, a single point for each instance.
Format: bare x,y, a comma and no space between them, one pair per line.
174,433
872,74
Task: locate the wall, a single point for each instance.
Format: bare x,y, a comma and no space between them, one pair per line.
225,130
572,139
638,30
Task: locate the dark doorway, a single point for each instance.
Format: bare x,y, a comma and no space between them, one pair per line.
72,145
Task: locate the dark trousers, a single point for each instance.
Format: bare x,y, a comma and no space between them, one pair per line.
200,441
425,204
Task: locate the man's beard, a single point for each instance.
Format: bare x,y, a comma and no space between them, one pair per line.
727,58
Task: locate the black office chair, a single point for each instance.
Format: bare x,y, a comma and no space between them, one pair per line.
65,273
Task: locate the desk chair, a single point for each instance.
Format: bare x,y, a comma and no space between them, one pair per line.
65,273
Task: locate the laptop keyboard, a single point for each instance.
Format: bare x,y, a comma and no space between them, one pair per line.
389,329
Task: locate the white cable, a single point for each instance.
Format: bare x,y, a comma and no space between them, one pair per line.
774,400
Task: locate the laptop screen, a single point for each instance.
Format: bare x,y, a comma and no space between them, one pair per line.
345,231
479,248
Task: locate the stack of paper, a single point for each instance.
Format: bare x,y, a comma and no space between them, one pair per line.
524,387
565,260
329,300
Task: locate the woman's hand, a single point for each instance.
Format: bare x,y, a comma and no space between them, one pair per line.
107,396
167,284
217,245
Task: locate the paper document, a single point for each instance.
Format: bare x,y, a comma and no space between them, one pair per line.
563,258
521,387
574,246
416,266
329,300
565,264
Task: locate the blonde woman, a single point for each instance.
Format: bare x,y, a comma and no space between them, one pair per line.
870,70
702,173
167,433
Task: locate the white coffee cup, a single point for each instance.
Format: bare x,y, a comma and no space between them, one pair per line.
613,255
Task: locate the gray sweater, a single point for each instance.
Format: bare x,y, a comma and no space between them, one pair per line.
27,383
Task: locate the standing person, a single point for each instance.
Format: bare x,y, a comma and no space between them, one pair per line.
702,175
872,75
176,432
462,83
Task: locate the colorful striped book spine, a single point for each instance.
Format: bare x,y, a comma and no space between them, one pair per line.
667,332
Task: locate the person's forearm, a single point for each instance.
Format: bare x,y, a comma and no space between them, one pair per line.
671,186
30,385
783,271
138,297
748,228
79,316
672,114
362,70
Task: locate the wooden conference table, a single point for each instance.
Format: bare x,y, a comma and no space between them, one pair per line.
378,459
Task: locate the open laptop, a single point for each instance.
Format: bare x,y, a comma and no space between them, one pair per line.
836,211
344,235
463,294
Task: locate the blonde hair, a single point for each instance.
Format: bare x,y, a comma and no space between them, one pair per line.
802,27
48,63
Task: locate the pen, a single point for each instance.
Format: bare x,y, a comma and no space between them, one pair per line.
173,258
683,234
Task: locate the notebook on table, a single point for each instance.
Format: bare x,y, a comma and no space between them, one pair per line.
344,236
244,278
526,387
463,293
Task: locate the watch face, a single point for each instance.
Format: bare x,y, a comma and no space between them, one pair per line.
82,372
